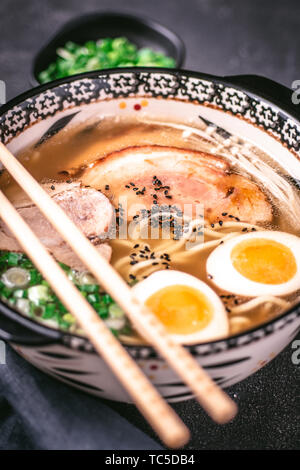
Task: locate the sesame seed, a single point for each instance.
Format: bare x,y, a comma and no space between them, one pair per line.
136,246
107,187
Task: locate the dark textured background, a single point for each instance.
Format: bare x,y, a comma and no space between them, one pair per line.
222,37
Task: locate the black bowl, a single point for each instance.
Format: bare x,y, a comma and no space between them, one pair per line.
141,31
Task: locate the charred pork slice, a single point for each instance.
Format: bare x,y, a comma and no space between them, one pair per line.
89,209
169,175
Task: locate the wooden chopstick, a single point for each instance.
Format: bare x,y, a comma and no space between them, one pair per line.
159,414
213,399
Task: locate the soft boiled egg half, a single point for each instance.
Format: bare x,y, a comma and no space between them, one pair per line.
257,263
187,307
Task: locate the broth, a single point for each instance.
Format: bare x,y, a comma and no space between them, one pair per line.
64,155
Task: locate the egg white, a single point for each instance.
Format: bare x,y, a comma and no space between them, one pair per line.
218,326
223,274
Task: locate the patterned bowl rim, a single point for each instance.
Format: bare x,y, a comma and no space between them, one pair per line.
230,342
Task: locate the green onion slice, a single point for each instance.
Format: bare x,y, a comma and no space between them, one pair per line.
16,278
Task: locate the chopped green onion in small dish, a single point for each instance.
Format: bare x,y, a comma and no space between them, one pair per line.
102,54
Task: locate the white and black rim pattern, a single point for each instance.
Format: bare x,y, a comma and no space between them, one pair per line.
203,349
48,100
45,101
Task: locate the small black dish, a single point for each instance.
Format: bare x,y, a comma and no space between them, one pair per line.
143,32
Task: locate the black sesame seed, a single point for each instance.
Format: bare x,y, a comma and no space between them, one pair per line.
52,187
244,229
169,197
212,225
127,186
132,184
155,263
136,246
220,223
224,214
133,262
132,276
69,181
209,276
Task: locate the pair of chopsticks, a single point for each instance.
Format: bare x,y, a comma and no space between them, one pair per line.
160,415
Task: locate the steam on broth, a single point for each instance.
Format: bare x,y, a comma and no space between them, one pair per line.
72,156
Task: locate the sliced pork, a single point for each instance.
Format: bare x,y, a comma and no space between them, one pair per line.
167,175
89,209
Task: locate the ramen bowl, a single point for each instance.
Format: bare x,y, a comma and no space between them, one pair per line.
249,107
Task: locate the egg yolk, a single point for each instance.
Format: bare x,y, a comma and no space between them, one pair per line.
265,261
181,309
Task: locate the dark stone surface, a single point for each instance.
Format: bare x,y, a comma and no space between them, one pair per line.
223,37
